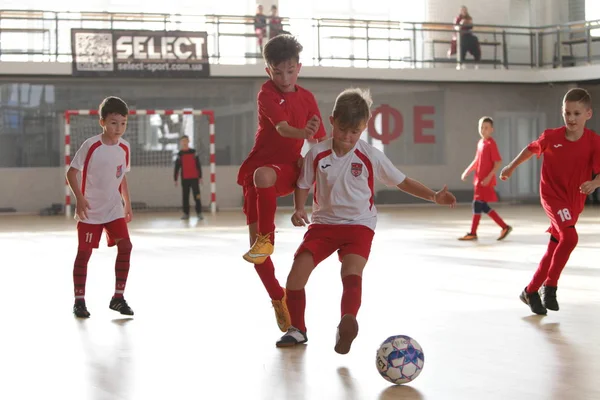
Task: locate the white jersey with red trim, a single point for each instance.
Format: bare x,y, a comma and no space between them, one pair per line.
102,170
344,191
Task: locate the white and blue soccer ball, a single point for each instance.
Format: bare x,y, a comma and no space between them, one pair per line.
400,359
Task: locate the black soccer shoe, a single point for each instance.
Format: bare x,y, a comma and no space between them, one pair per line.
120,305
534,302
80,310
549,297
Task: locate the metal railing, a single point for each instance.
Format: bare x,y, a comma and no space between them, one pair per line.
45,36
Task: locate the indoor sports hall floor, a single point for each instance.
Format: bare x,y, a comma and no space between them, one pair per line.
204,327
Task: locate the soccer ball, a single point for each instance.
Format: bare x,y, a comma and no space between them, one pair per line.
400,359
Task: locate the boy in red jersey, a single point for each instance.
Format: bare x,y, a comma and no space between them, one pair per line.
485,164
103,201
287,115
342,171
188,163
571,157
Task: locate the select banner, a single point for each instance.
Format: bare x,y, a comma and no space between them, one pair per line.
139,53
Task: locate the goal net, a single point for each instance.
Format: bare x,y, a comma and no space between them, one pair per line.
154,139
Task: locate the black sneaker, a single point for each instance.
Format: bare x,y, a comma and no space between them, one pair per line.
120,305
534,302
200,216
292,337
549,297
80,310
185,216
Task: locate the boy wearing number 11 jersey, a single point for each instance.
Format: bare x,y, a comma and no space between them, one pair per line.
571,156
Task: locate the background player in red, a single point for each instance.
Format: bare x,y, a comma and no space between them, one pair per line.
343,170
571,157
103,201
485,164
287,115
191,176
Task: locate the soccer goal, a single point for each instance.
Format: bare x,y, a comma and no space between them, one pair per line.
154,139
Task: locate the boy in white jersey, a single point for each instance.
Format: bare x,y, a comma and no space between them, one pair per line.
342,170
103,202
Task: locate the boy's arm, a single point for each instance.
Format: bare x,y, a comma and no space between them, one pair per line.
285,130
489,177
126,199
82,203
177,168
523,156
469,169
300,218
419,190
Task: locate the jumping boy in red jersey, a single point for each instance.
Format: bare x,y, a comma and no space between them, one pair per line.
103,201
485,164
571,157
287,115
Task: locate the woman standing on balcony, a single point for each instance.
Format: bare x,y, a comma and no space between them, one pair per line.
469,43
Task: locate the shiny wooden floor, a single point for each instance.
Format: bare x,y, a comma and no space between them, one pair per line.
204,327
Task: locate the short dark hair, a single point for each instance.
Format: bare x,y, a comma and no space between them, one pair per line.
184,137
579,95
352,108
113,105
282,48
485,119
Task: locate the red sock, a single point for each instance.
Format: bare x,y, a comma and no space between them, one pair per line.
566,244
351,296
542,271
494,215
266,272
80,273
296,302
475,223
122,266
266,200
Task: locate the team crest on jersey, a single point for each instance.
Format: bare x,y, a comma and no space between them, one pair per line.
356,169
119,170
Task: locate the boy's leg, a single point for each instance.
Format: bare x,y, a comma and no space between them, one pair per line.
270,182
541,273
266,270
296,300
185,188
472,235
118,234
354,256
506,229
196,193
567,242
315,247
88,239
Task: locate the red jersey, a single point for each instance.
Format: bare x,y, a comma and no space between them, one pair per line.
566,166
487,154
295,108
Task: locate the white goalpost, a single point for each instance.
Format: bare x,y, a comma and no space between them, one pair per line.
154,138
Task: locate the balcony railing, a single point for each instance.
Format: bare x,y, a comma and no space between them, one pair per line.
45,36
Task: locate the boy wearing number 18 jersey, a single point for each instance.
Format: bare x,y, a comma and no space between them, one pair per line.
571,156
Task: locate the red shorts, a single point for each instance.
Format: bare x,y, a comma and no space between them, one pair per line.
561,216
322,240
287,176
89,234
485,193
